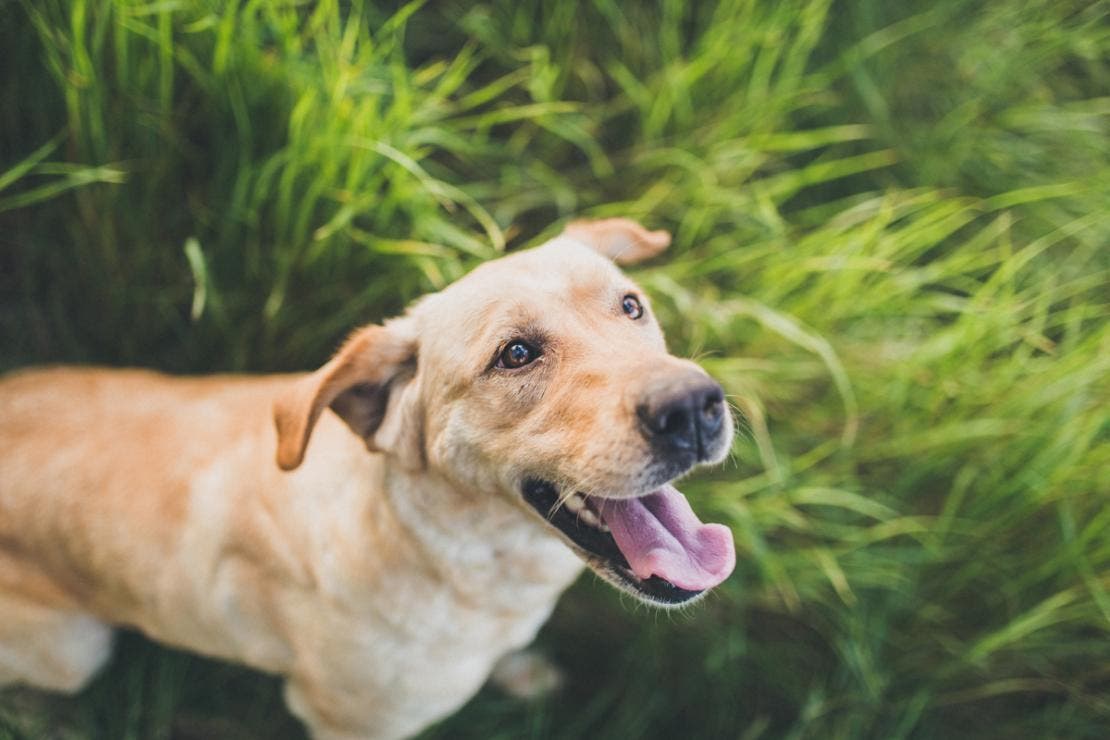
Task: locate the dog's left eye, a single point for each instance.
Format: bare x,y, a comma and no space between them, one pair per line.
517,354
632,306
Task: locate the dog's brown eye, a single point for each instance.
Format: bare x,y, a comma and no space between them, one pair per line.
517,354
632,306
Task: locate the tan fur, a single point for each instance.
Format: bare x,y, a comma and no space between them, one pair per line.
385,562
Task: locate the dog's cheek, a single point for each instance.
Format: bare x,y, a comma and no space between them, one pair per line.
457,448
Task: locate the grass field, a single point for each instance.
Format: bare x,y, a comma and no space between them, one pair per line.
891,245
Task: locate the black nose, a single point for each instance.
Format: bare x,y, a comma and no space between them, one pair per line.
685,419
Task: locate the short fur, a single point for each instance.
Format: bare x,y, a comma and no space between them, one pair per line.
386,561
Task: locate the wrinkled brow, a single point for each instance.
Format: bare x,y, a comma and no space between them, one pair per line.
491,327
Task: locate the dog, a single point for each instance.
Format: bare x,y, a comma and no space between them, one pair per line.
382,531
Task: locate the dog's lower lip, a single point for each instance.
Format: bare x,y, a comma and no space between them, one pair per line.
599,548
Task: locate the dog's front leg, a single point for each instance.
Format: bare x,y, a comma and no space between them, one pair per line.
336,714
526,674
323,714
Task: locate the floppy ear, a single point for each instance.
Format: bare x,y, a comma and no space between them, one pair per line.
361,383
620,239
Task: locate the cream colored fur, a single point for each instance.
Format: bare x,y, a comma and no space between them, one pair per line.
391,563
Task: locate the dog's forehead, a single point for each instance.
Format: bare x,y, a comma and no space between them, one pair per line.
555,267
543,288
562,272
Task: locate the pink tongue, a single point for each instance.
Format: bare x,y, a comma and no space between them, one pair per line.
659,534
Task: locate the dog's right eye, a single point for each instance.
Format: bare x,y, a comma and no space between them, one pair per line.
517,354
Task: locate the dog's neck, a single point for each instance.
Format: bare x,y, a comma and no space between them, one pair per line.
489,549
399,535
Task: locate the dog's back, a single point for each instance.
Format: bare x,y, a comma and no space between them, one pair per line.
96,468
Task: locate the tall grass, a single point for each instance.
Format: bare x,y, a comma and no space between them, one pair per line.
890,245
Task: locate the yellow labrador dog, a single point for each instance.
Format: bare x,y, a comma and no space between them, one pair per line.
437,485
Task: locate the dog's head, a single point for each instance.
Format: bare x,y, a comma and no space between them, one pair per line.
544,376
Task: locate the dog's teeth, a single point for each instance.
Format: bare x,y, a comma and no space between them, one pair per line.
584,510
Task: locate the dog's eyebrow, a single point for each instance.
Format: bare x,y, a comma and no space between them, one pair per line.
597,290
528,330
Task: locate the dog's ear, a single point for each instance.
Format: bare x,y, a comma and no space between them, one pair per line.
368,384
620,239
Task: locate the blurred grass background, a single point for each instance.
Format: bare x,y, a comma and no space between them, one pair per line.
891,234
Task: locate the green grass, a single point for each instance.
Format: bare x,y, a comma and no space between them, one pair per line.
891,245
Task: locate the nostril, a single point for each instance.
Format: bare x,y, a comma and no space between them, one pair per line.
714,404
674,422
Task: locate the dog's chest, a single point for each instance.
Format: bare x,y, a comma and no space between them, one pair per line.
422,615
425,637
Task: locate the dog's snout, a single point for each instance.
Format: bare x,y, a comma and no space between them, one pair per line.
684,419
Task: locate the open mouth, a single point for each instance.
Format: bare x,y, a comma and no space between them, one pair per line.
653,546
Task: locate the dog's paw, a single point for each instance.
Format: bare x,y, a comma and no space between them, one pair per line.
526,674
